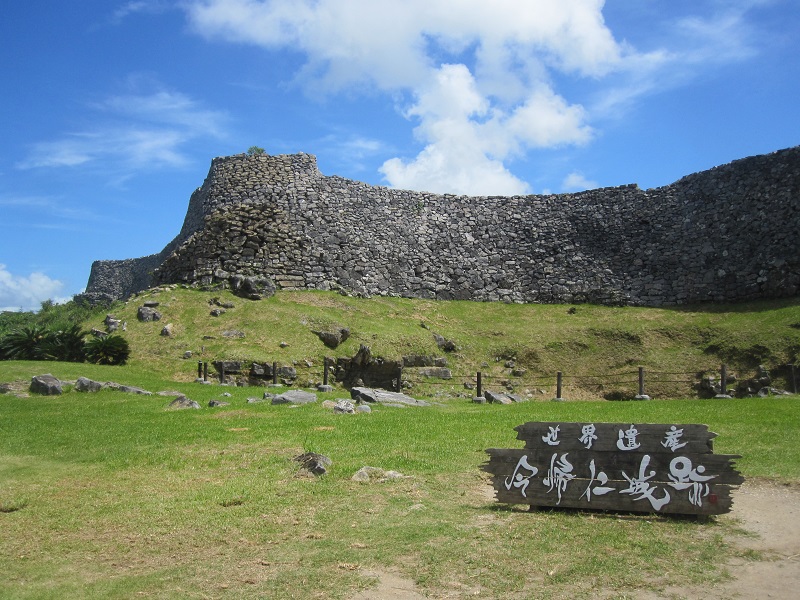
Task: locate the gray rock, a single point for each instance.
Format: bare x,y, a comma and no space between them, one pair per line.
435,372
147,314
332,339
362,394
324,388
363,408
497,398
214,403
344,407
168,330
87,385
444,344
295,397
314,463
217,312
376,475
128,389
187,354
233,334
182,402
47,385
111,323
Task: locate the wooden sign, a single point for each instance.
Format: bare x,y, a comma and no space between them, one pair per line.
615,466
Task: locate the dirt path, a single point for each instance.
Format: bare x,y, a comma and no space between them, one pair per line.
770,513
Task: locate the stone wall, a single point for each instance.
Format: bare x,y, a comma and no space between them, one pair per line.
727,234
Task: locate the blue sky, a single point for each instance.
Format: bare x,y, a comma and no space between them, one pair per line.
111,111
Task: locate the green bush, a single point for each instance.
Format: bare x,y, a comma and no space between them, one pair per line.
108,350
25,343
254,151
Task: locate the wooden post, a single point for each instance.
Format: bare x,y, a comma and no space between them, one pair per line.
641,395
480,385
794,378
274,373
205,371
222,373
558,397
399,378
723,380
324,371
199,369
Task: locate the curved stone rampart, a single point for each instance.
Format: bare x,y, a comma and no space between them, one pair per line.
726,234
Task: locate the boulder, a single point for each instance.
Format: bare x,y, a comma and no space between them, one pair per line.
147,314
168,330
332,339
498,397
84,384
253,288
111,323
47,385
214,403
228,366
445,344
295,397
435,372
182,402
362,394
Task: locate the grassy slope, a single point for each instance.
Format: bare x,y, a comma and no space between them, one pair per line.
111,496
543,339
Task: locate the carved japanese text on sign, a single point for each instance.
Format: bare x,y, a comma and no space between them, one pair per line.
633,467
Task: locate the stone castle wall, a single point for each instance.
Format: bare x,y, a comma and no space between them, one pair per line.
727,234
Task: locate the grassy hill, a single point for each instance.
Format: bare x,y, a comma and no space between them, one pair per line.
113,495
597,348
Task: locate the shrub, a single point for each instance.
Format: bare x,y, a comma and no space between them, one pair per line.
26,343
254,151
65,345
108,350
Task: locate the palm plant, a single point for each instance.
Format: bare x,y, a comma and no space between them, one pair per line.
65,345
25,343
108,350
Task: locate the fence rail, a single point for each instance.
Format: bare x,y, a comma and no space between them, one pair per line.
637,379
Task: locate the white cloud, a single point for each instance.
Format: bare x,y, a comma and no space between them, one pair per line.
475,79
478,73
576,182
134,130
26,292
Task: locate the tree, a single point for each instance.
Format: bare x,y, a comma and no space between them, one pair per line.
254,151
108,350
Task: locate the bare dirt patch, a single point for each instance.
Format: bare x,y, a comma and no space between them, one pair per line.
770,563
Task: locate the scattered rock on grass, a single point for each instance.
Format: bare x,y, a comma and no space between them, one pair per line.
316,464
295,397
47,385
182,402
376,475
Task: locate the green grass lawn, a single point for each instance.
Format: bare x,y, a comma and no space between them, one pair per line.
109,495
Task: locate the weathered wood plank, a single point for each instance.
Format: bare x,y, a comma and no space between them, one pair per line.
504,462
623,437
713,499
661,468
